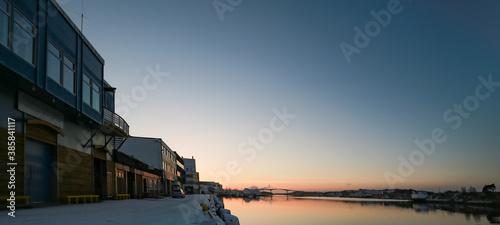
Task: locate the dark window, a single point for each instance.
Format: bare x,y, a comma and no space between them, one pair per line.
4,22
19,36
68,80
91,93
96,97
53,62
60,68
86,89
23,38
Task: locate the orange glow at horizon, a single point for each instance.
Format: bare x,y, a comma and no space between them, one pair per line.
304,187
414,184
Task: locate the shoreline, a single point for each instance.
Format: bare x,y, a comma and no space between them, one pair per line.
490,204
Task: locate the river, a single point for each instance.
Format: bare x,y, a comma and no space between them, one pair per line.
281,209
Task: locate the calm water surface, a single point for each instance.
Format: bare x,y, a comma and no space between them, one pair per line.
331,210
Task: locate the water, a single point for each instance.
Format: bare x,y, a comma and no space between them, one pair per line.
332,210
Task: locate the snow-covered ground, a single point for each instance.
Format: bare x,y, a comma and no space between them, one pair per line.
134,212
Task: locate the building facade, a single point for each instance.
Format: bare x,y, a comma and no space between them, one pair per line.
136,178
155,153
57,105
192,185
181,172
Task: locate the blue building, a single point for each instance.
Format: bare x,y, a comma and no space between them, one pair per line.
52,85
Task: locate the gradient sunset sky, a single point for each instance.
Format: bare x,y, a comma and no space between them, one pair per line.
354,120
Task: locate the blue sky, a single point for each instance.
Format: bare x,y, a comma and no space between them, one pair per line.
353,120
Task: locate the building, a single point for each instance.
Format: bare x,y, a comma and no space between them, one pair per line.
181,172
60,108
192,177
155,153
210,187
136,178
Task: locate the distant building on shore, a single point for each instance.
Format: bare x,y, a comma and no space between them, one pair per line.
210,187
419,195
192,185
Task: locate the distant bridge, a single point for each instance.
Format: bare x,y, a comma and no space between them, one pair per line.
277,189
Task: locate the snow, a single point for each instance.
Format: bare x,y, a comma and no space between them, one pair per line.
231,220
134,212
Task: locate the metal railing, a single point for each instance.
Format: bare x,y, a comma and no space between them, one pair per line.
116,120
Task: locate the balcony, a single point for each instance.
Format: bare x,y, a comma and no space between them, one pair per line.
114,124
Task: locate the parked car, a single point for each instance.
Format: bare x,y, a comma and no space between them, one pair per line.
178,193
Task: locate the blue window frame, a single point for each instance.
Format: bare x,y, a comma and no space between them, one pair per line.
91,93
23,42
86,94
17,33
60,68
4,22
53,62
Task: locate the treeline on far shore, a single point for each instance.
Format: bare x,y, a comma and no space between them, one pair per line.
488,195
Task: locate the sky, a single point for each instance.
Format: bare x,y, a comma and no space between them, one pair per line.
309,95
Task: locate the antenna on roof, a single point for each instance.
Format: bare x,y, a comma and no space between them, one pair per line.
81,20
82,17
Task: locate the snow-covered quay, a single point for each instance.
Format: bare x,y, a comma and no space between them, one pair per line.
134,212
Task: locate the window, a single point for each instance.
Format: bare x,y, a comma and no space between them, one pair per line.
23,38
17,33
91,93
150,184
60,68
53,62
68,80
86,89
96,97
4,22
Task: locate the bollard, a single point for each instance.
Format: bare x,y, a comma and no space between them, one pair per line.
204,207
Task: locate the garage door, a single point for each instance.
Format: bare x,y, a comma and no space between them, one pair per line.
40,176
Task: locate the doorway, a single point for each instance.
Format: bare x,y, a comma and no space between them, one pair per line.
41,179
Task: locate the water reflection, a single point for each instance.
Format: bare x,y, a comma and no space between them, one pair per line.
326,210
474,211
264,198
